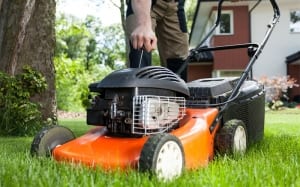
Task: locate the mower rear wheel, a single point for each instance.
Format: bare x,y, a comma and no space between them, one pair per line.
163,156
232,138
48,138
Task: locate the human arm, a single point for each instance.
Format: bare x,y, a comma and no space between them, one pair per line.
143,36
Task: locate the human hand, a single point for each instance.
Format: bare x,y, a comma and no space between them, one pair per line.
143,37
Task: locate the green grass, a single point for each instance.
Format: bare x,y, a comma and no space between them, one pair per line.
275,161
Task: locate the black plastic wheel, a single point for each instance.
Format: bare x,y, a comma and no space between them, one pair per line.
162,155
48,138
232,138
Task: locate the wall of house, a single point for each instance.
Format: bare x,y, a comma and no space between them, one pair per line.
281,44
199,71
294,71
233,59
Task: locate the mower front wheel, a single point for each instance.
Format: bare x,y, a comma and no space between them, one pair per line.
232,138
48,138
163,156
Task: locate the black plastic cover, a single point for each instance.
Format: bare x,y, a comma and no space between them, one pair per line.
146,77
211,87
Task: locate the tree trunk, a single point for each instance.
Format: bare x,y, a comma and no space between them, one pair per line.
27,37
123,21
122,9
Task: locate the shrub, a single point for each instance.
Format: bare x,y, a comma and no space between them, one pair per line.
276,90
18,115
72,80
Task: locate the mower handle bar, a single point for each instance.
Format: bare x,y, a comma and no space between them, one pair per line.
258,51
219,11
245,74
200,48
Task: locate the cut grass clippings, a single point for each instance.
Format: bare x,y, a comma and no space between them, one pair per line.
272,162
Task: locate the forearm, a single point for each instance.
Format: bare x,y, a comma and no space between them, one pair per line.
141,9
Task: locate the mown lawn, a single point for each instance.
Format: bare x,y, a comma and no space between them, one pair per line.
275,161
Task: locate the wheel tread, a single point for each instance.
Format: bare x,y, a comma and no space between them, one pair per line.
151,149
224,139
46,134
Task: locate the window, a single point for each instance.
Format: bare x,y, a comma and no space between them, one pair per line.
295,21
226,23
227,73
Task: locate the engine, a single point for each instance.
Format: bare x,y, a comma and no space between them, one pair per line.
153,100
138,101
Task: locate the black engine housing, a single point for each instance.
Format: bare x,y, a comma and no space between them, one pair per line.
113,107
155,77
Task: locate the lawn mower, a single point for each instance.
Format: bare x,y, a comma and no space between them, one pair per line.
150,119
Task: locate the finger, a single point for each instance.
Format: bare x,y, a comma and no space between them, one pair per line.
137,41
147,46
140,41
154,43
134,42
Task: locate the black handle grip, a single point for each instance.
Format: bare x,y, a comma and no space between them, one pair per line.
275,8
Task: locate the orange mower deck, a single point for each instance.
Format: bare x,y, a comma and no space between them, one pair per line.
97,149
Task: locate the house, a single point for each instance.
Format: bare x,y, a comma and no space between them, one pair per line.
245,21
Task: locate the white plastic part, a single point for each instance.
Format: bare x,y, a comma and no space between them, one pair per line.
240,140
169,161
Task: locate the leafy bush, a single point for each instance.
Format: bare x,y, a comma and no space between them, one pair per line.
72,81
85,52
277,89
18,115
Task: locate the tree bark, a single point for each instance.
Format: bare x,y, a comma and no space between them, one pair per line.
122,9
123,21
27,37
